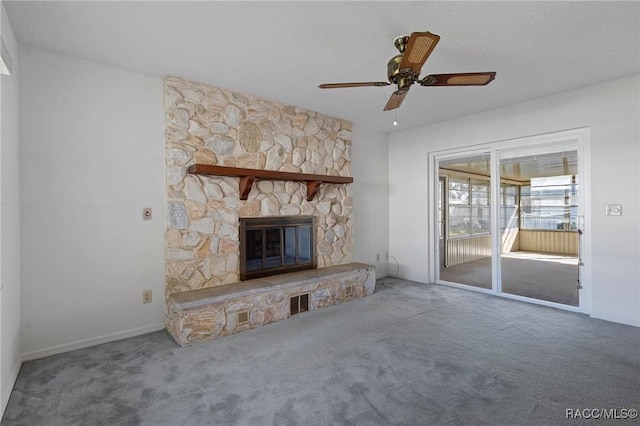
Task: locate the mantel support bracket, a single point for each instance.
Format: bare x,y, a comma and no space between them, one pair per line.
246,182
312,189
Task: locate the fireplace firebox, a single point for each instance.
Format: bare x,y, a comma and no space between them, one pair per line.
275,245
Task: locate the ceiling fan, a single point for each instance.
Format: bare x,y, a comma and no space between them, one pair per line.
403,70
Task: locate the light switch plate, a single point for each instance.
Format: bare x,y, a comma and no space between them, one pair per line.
146,213
614,210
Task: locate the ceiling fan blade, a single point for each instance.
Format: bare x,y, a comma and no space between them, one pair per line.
460,79
419,47
395,100
364,84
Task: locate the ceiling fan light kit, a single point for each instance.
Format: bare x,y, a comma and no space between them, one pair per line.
403,70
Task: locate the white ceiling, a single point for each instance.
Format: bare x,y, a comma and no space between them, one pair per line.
283,50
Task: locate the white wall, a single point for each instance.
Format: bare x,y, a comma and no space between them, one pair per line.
9,221
369,165
92,157
611,110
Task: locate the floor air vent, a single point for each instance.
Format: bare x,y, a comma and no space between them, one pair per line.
348,291
243,317
299,303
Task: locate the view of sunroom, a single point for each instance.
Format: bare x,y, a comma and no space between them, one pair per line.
539,237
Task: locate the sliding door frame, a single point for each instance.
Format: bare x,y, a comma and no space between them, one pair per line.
574,139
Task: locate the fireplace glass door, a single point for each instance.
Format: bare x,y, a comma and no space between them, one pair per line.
254,250
272,248
289,245
275,245
305,248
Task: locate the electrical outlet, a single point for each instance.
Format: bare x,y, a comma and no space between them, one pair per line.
613,210
378,257
146,213
386,255
146,296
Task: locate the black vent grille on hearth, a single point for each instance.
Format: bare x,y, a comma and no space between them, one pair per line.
299,303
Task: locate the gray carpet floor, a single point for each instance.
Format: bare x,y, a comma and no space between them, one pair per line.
410,354
537,275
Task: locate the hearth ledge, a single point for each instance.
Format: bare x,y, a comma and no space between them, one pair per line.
208,313
222,293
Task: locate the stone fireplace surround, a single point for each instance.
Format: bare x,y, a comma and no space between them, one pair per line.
209,125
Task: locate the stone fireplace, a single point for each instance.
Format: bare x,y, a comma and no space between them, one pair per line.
214,218
209,125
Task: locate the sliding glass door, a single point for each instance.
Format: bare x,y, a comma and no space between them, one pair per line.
465,225
509,220
539,225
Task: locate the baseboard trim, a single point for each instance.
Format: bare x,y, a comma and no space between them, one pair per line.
406,277
6,392
615,318
381,275
85,343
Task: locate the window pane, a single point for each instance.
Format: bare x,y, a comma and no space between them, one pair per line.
289,245
254,250
573,218
509,219
481,222
480,198
458,191
573,196
545,217
550,196
510,195
550,205
272,249
459,220
468,207
509,206
479,192
304,244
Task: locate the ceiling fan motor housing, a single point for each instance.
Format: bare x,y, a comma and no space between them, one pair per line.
402,78
393,68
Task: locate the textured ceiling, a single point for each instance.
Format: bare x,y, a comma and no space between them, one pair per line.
283,50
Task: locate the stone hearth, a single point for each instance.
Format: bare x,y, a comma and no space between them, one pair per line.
208,313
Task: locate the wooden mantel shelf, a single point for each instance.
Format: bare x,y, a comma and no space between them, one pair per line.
248,176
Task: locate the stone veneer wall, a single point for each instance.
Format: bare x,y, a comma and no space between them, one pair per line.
209,125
